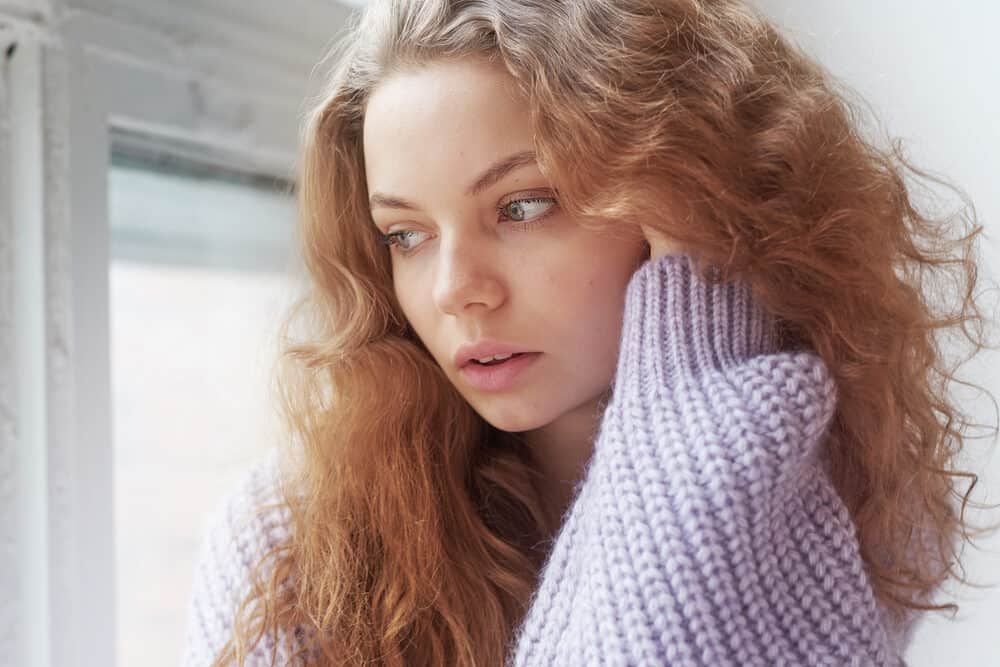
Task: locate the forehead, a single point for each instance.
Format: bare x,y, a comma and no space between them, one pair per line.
442,118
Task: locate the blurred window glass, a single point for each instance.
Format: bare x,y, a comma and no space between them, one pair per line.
200,276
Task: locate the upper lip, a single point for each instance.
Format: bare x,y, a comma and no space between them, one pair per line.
484,348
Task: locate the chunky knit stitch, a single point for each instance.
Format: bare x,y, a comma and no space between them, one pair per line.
237,535
705,529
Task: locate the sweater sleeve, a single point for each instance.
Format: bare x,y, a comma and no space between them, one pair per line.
705,530
236,537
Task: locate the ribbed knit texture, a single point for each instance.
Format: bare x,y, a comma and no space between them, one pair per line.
237,536
704,531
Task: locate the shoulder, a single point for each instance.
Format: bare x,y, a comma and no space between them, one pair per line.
237,534
248,521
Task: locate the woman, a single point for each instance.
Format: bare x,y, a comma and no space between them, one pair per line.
617,357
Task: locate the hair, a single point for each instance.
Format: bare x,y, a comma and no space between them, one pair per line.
417,529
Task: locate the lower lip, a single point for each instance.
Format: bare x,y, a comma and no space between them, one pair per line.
498,377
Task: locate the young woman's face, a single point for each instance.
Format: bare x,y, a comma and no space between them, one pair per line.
481,253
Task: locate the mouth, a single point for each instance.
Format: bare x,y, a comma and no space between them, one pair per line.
496,361
498,374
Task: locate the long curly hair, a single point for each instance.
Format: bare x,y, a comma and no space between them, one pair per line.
417,529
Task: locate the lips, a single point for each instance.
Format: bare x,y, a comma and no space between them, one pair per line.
498,376
497,362
486,348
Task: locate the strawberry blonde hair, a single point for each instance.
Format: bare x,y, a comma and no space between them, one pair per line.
417,529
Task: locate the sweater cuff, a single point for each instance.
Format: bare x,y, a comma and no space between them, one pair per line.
678,325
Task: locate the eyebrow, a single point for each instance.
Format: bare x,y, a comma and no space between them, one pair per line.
492,175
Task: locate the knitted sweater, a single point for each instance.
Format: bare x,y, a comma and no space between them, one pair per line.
705,529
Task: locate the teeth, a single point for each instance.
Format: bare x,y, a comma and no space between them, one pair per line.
498,357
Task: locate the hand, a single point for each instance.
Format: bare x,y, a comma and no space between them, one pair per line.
659,245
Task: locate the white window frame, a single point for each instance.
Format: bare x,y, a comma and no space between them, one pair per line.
82,78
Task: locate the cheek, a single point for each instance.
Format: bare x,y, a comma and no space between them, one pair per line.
588,303
404,299
595,274
415,308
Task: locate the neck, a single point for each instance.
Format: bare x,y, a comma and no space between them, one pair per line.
562,450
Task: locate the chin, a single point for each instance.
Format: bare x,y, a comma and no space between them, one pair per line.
512,421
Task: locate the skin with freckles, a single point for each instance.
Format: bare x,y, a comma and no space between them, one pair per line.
501,261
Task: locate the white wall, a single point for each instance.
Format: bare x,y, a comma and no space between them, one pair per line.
931,72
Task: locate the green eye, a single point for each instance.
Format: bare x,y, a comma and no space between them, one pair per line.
521,210
524,213
397,239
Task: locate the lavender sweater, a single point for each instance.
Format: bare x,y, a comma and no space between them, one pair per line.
705,530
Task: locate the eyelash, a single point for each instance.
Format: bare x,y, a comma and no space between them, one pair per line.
390,239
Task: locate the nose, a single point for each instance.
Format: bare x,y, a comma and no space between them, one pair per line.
467,276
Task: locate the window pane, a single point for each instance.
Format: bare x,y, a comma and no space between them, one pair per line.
200,276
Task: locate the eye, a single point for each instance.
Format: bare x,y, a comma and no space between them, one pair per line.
521,212
400,239
526,209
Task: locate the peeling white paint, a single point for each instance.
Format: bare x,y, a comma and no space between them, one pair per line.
23,438
11,539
